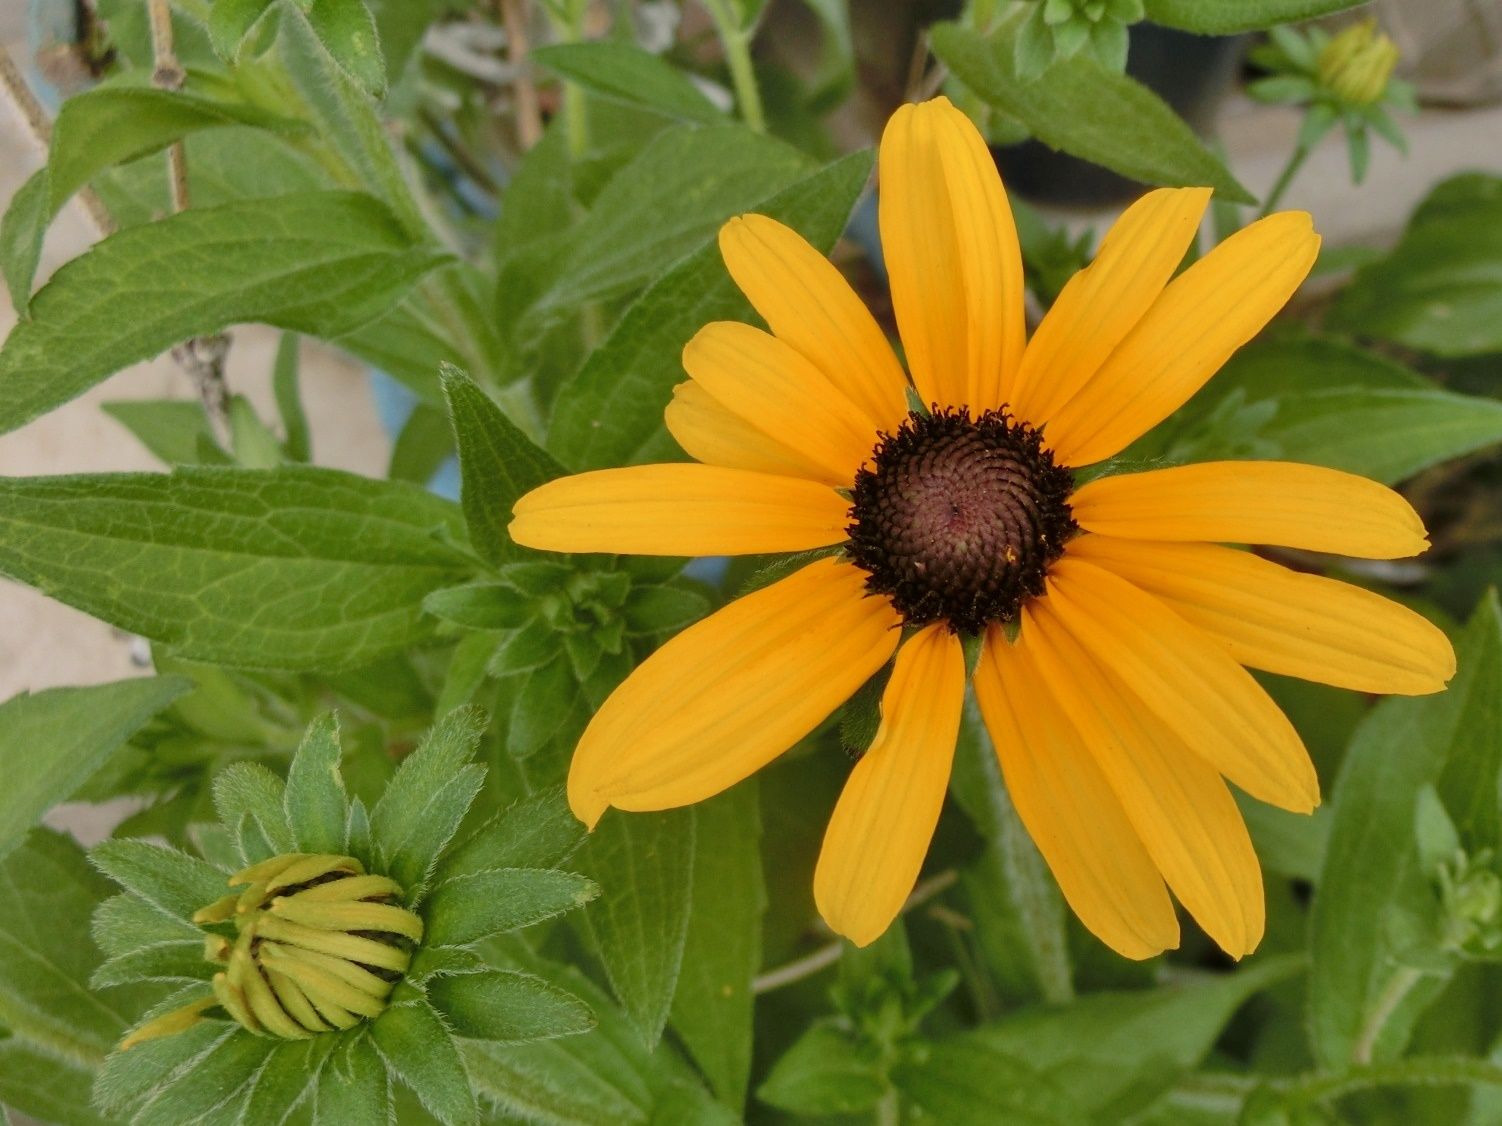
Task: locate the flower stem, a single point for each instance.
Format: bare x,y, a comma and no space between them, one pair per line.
736,41
1398,987
1295,162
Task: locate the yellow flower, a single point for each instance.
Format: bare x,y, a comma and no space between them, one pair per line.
1122,701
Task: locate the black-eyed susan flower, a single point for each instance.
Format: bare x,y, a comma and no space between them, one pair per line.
1114,627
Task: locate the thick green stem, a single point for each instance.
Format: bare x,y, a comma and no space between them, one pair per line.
1295,162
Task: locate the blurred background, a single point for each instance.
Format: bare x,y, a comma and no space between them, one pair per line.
1451,54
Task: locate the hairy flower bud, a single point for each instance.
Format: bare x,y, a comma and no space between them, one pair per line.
1356,64
318,945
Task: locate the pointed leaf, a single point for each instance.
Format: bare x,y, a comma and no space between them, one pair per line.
417,1046
464,909
352,1088
170,880
315,803
539,831
509,1006
246,794
623,72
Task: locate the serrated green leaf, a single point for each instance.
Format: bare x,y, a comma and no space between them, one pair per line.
246,793
629,236
644,864
298,568
316,806
824,1072
1080,107
175,431
62,736
347,32
625,73
1375,914
230,22
417,1046
497,464
321,262
465,909
169,879
713,1004
352,1088
1440,290
125,922
611,412
47,892
1229,17
539,831
509,1006
215,1078
163,961
427,798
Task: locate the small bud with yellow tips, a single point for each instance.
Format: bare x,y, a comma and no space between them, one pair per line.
1355,65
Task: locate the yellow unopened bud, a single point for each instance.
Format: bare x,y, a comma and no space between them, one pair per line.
318,946
1356,64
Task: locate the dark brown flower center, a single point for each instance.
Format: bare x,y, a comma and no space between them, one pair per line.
959,518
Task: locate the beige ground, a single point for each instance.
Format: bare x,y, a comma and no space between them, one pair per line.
44,644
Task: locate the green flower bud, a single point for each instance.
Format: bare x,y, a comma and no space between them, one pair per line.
1356,64
318,945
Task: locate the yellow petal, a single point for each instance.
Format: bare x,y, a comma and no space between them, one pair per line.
731,693
1272,618
770,385
1182,811
951,251
1104,301
885,818
807,303
711,433
1204,315
679,510
1271,502
1069,809
1188,681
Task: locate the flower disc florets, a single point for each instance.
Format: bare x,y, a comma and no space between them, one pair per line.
958,519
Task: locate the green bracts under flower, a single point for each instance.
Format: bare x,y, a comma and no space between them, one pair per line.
318,945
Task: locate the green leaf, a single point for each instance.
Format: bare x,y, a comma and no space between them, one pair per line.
39,1084
663,609
170,880
175,431
251,802
1325,402
128,1078
424,444
625,73
162,961
230,22
427,798
47,892
1113,1052
416,1046
465,909
629,236
124,923
509,1006
62,736
825,1072
1080,107
1229,17
644,864
215,1079
968,1083
22,229
347,32
713,1004
1376,963
539,831
1440,290
296,568
497,465
321,262
352,1088
611,412
291,1073
317,808
491,606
